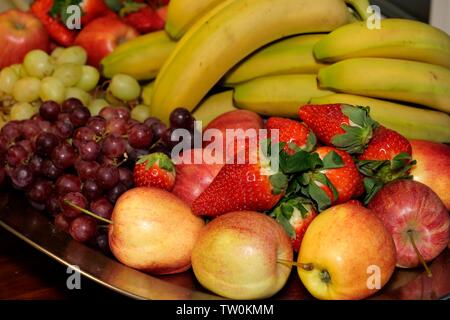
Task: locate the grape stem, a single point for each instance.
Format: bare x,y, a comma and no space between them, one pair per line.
89,213
419,255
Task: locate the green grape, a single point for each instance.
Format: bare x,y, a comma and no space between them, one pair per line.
75,54
20,70
68,73
97,105
52,89
140,113
124,87
56,53
22,111
81,95
89,78
27,89
37,64
8,78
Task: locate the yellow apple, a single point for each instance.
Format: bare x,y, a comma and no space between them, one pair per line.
243,255
346,253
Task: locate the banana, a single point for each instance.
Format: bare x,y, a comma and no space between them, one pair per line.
214,106
147,93
229,33
397,38
361,7
183,14
278,95
413,123
289,56
393,79
140,58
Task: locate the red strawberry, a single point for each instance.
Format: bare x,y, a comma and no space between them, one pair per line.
145,19
240,187
386,144
154,170
346,127
93,9
291,131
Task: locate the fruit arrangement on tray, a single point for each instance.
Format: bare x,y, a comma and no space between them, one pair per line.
242,138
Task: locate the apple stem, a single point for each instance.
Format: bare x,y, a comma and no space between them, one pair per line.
89,213
304,266
422,260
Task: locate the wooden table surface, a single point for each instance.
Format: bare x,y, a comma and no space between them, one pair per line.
26,273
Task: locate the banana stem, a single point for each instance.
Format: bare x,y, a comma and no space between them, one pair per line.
422,260
93,215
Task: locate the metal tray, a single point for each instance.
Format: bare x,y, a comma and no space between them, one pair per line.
35,229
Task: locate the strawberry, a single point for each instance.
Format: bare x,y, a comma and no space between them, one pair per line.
346,127
143,18
240,187
386,144
154,170
93,9
295,215
292,132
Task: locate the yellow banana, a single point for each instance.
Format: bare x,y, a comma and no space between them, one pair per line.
147,93
361,7
289,56
402,80
226,35
278,95
397,38
214,106
413,123
140,58
183,14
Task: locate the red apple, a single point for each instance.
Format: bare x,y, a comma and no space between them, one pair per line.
433,167
193,177
20,32
415,216
100,37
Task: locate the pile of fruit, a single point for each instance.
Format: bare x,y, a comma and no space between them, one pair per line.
355,116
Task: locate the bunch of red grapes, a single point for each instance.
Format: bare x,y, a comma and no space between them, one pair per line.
64,155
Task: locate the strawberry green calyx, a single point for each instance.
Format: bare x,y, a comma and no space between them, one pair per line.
158,158
284,211
358,133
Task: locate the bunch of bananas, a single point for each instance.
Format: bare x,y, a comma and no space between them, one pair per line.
275,56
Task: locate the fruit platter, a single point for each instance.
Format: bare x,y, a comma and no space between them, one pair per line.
237,149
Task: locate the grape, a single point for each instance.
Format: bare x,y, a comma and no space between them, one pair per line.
110,113
84,134
52,205
44,125
50,171
150,121
49,110
56,53
8,79
158,130
131,123
140,113
75,54
11,131
40,191
3,145
27,145
27,89
2,175
45,143
83,228
114,146
89,78
167,138
62,222
92,190
89,150
103,243
116,126
116,192
140,136
97,105
75,198
124,87
134,154
52,88
63,156
97,124
126,177
37,206
107,176
79,94
71,104
16,155
86,169
36,163
22,111
22,177
181,118
19,69
64,129
69,74
68,183
102,207
37,64
30,129
80,116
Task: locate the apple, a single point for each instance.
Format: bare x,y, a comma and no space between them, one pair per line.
433,167
194,173
20,32
243,255
345,250
416,217
153,231
100,37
